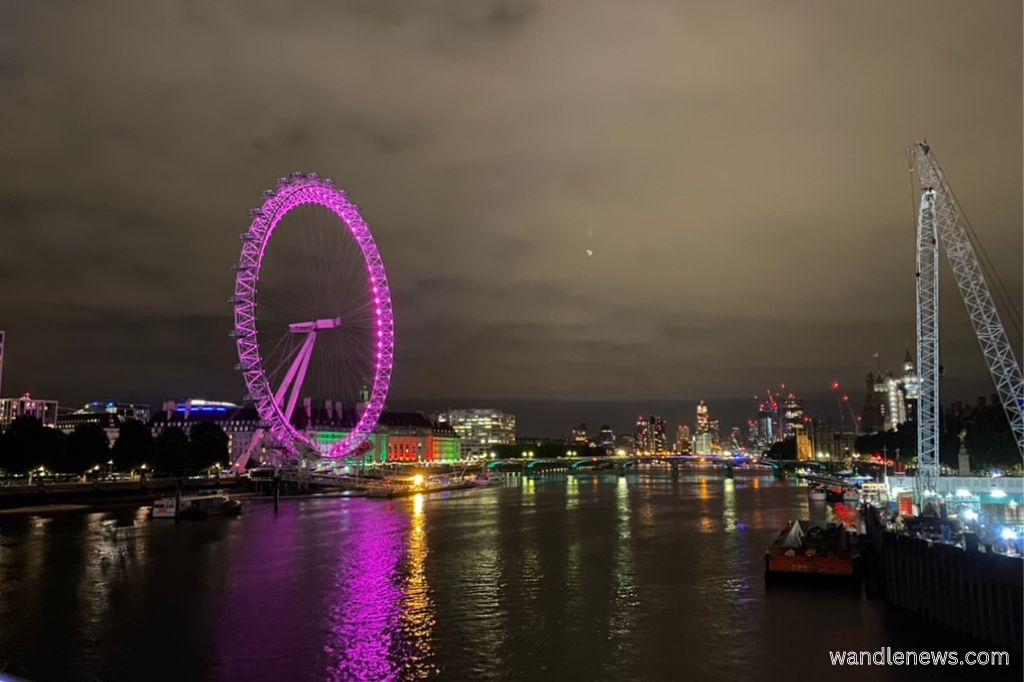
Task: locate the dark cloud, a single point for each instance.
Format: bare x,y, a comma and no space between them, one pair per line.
735,169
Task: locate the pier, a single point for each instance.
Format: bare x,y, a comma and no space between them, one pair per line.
979,594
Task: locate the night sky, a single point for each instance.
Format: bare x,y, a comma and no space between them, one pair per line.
736,171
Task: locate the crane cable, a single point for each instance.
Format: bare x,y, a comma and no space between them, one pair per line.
987,266
985,261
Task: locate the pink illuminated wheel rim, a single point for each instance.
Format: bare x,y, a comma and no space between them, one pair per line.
297,190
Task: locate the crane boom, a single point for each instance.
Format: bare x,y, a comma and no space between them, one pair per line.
948,221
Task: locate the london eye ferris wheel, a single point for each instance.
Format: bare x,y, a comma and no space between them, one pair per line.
313,316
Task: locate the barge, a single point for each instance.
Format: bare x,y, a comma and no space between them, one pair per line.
812,548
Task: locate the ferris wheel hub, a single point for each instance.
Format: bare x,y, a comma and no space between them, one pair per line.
314,325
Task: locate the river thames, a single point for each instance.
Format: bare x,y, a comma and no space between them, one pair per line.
587,576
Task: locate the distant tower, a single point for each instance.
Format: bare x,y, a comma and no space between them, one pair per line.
682,443
873,416
703,422
2,335
659,439
642,438
792,415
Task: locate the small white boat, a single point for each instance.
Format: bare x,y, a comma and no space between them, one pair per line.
196,507
816,493
163,508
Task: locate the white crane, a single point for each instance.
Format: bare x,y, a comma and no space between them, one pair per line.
940,218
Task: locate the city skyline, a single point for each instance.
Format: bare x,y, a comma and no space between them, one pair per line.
537,277
547,419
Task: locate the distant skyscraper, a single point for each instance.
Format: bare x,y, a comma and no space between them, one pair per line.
606,439
792,415
683,441
642,435
2,336
659,439
753,437
766,426
735,438
702,425
715,429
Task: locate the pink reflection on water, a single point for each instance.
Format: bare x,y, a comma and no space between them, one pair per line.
364,616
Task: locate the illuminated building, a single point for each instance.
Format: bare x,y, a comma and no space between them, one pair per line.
642,435
753,436
792,416
480,429
122,410
823,439
659,439
715,429
650,437
804,449
606,439
109,415
3,336
399,437
702,425
702,444
239,422
27,406
704,441
579,435
683,443
890,400
766,426
735,438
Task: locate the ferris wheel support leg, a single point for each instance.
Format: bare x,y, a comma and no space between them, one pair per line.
289,378
303,365
243,459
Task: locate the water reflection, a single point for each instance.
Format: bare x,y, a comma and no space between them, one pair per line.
625,593
417,607
364,617
608,578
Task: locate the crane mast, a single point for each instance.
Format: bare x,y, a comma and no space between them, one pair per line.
927,343
940,218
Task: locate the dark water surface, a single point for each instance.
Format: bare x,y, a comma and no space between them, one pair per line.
585,577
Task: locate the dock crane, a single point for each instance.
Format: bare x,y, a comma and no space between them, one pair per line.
940,218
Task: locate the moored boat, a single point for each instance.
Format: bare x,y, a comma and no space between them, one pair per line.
196,507
816,493
813,548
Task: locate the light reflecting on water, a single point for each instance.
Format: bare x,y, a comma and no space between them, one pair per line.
417,607
588,576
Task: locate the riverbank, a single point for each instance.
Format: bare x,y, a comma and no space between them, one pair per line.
105,494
